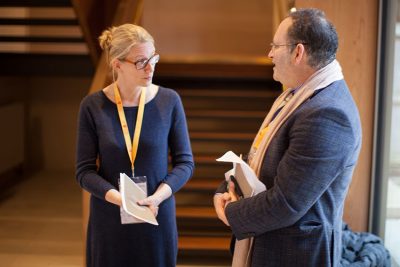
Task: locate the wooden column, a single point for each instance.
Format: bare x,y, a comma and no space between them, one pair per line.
357,25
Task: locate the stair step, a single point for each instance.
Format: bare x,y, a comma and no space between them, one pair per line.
48,30
227,103
218,136
219,147
227,93
36,3
203,243
211,159
207,159
203,227
200,221
194,198
183,70
208,167
71,31
37,13
213,172
237,114
200,184
220,124
196,212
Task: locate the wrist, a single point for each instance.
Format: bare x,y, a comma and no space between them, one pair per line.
157,200
163,192
113,196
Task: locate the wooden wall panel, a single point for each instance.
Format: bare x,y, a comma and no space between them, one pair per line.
209,28
357,26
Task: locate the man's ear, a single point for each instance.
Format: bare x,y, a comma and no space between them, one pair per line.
299,54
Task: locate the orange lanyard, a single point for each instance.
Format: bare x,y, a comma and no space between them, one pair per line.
263,131
131,147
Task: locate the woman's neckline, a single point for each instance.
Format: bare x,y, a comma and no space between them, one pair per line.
135,106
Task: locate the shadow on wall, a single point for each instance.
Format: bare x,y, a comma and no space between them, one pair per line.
35,157
53,112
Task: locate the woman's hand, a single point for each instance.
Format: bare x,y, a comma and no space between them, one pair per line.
162,193
152,202
113,196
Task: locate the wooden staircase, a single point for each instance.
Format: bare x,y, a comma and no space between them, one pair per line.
223,113
225,101
42,37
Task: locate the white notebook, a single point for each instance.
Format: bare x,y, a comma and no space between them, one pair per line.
244,175
131,193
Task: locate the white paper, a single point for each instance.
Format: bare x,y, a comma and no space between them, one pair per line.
244,175
131,193
127,218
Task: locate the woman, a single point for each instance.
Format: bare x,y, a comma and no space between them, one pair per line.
112,240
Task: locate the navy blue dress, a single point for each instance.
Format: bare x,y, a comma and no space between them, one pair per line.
164,131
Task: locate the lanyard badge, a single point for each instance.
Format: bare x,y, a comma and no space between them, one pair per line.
130,146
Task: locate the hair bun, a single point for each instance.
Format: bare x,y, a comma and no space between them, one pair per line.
105,39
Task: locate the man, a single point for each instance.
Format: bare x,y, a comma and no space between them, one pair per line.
305,154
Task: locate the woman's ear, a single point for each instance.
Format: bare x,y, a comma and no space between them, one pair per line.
116,64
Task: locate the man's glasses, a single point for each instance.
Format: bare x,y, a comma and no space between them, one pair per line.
275,46
142,63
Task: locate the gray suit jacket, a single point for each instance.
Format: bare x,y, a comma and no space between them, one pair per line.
307,170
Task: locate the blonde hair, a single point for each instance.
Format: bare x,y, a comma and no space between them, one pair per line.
118,41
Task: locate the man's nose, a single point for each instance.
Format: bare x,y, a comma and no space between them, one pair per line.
270,53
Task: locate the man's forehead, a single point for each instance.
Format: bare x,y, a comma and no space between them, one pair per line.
281,32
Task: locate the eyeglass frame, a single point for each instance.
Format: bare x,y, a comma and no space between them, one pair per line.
274,46
144,62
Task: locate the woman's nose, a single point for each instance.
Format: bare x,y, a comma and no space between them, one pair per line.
149,67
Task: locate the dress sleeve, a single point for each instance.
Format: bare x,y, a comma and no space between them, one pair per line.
86,154
321,148
180,149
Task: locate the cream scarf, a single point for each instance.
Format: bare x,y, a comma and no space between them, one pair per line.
320,79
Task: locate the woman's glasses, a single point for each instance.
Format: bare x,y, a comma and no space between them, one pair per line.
142,63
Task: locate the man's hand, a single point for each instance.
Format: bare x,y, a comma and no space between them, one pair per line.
222,200
232,192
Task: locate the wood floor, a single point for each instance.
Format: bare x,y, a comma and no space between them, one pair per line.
40,222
